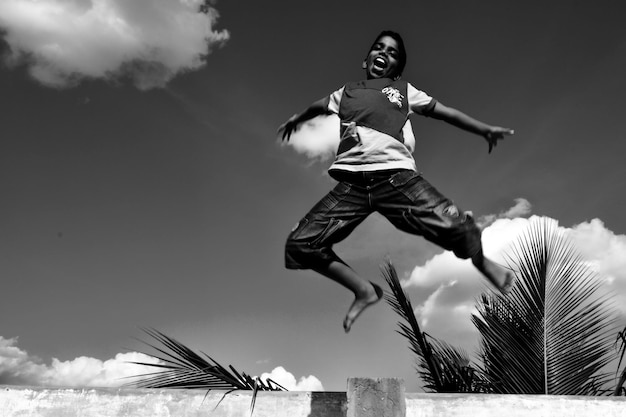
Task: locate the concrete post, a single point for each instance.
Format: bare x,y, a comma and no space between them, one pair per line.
381,397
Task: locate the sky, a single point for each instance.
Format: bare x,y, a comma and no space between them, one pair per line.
143,183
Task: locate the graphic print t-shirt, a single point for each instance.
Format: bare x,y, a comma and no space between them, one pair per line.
376,133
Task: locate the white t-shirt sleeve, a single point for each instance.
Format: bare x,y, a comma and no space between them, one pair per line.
419,101
335,100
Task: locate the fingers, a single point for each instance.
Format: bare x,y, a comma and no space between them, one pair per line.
507,132
496,134
493,141
500,132
289,129
286,129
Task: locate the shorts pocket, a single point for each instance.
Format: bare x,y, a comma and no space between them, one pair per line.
412,185
332,226
315,233
336,195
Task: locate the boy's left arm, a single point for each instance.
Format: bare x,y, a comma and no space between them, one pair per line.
492,134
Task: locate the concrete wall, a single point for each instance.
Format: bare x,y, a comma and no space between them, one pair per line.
478,405
45,402
42,402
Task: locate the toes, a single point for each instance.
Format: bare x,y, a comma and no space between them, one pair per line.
361,304
347,324
508,283
379,291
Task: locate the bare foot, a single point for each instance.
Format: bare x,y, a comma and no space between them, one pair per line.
509,281
502,278
361,303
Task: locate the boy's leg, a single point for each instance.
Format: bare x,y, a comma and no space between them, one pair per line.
365,292
415,206
500,277
309,246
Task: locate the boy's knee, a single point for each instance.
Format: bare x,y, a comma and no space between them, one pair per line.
453,229
467,238
302,254
309,243
295,255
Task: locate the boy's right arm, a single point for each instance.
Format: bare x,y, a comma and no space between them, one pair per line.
318,108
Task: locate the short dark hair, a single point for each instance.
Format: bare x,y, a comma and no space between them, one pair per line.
401,50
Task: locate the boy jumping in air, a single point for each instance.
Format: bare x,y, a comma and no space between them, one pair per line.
376,171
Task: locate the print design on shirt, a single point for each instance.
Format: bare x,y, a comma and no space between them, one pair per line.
393,94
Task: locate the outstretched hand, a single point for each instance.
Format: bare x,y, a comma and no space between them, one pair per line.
495,133
289,127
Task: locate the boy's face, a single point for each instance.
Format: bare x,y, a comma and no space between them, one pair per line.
382,59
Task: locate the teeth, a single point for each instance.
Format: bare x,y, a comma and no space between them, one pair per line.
380,62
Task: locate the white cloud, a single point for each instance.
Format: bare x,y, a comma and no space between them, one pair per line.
521,208
426,310
17,367
442,268
606,252
446,312
150,41
288,381
318,138
449,286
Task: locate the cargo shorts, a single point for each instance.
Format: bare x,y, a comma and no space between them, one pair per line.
404,197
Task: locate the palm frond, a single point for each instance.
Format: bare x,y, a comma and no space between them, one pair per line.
441,367
619,388
552,333
181,367
621,338
457,372
501,325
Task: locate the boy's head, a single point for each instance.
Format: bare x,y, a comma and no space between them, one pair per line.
386,57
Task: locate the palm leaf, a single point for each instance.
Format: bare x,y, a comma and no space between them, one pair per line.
456,370
504,326
181,367
552,333
441,367
619,388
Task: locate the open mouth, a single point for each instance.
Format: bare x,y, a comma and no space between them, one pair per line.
380,63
